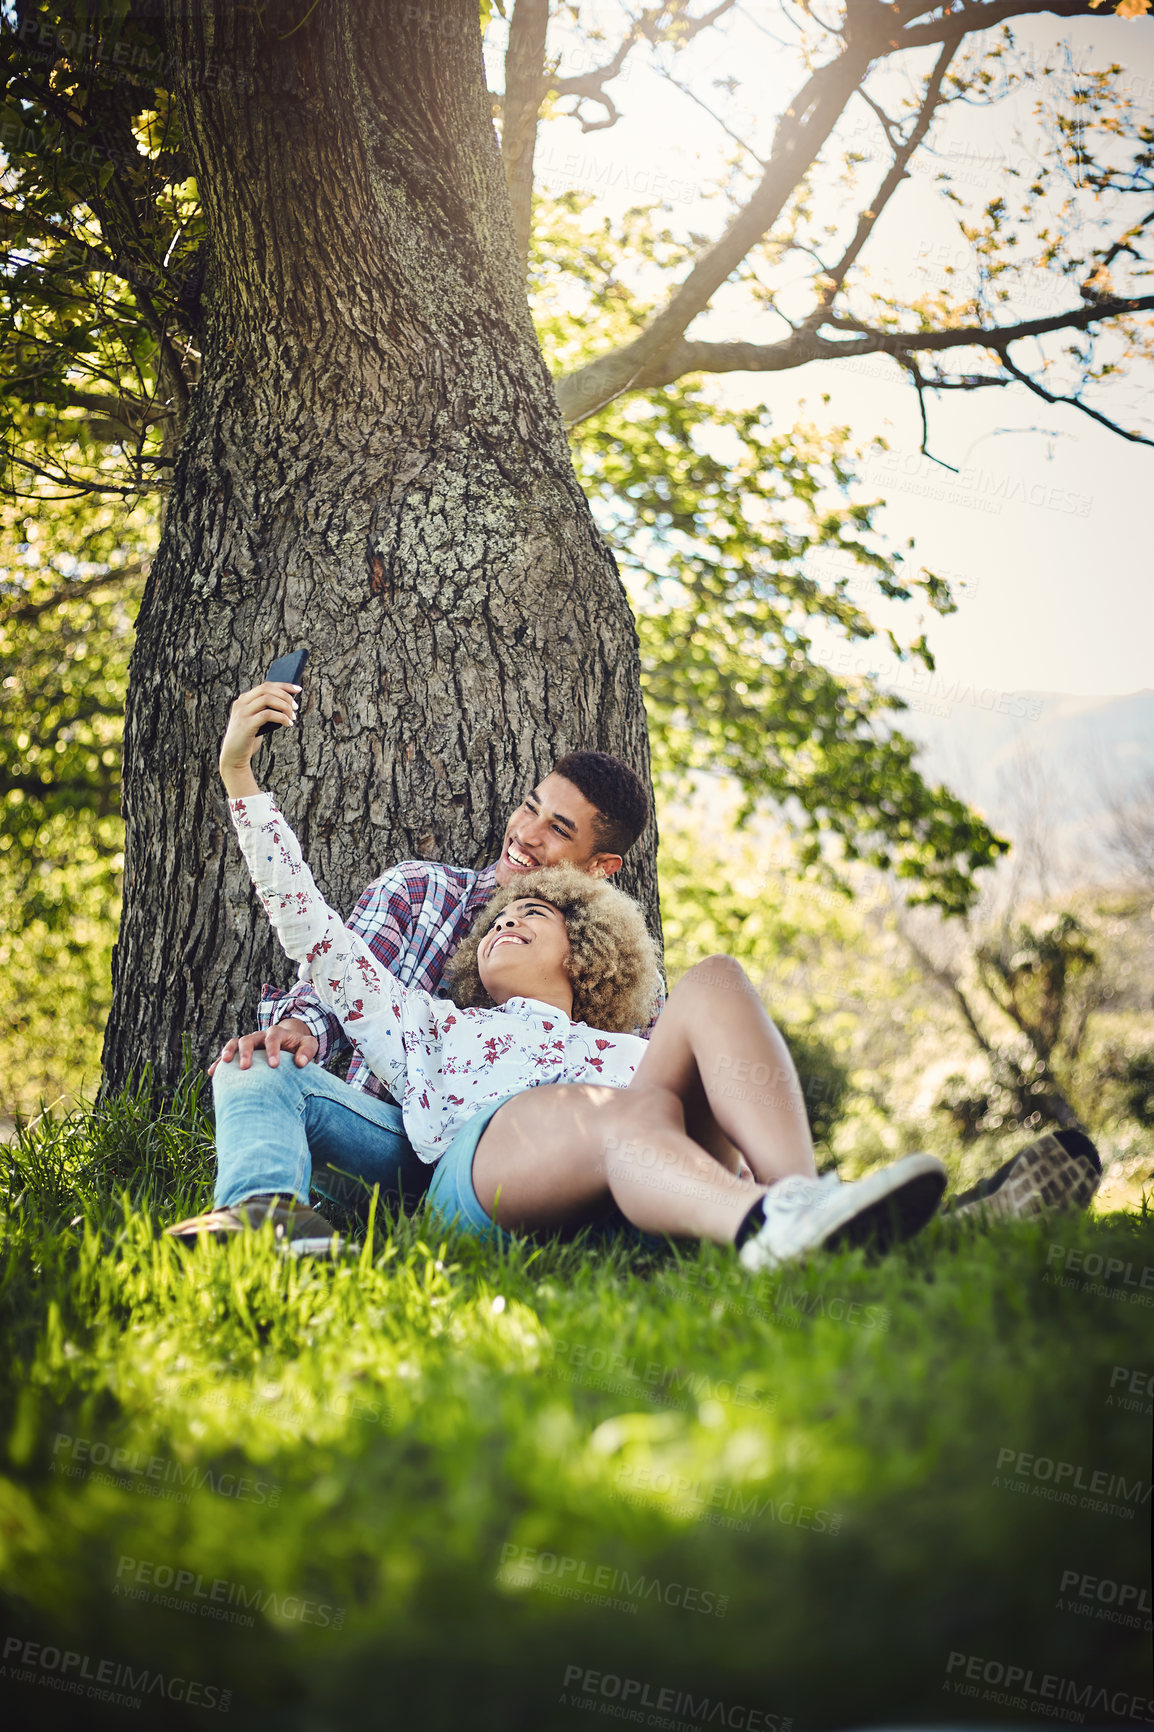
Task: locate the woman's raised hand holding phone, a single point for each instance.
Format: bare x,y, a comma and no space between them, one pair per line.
271,701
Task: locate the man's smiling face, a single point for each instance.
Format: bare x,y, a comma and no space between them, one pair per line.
553,823
524,953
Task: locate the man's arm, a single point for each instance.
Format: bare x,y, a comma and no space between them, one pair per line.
299,1004
288,1035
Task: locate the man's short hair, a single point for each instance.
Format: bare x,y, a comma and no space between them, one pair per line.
618,793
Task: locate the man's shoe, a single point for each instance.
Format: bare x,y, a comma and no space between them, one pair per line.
1061,1170
802,1214
298,1230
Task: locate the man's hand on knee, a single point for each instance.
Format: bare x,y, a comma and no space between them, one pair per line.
289,1036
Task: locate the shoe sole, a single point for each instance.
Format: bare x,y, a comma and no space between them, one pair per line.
1043,1181
908,1196
285,1247
196,1234
333,1247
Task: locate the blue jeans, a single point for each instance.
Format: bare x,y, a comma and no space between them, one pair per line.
292,1126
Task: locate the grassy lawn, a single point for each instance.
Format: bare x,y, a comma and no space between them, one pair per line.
436,1487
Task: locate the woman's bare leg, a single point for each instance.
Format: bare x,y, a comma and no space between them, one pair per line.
715,1048
717,1080
548,1157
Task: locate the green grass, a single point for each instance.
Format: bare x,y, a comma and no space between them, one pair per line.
775,1493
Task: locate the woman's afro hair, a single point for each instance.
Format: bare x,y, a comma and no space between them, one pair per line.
612,960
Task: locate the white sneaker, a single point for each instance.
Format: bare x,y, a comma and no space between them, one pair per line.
801,1214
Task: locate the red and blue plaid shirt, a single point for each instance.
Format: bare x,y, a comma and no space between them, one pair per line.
413,918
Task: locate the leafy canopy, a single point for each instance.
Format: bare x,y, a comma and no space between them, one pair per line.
741,542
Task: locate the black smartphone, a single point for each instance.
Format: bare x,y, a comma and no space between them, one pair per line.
289,669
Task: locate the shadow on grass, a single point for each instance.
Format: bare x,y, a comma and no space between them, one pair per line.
434,1485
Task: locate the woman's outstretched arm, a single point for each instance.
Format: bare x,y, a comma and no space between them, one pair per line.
374,1009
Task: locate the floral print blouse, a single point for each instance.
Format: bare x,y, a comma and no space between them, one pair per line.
442,1064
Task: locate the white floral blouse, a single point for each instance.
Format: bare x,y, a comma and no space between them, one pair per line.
441,1063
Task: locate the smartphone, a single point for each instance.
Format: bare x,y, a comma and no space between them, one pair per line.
289,669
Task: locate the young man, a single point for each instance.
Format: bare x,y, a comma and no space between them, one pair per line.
283,1126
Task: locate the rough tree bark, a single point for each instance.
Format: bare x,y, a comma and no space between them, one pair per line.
373,465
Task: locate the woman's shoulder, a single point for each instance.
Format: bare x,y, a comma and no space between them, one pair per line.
606,1037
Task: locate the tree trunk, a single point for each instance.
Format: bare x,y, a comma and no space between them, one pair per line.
373,466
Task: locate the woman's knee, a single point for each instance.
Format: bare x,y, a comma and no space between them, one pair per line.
715,973
230,1082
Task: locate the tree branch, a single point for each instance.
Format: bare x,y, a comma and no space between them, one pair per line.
804,346
802,131
716,118
1072,402
948,983
867,222
975,18
919,382
1122,244
804,128
525,87
61,478
29,610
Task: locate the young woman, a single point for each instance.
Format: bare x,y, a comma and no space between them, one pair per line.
538,1108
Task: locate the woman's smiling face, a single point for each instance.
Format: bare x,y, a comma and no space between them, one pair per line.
523,955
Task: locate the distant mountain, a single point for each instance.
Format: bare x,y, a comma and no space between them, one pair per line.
1052,755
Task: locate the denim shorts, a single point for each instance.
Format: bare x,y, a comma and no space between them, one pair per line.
451,1199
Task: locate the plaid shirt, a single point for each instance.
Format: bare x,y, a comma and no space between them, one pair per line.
413,917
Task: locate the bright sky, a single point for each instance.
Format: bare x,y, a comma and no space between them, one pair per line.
1047,529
